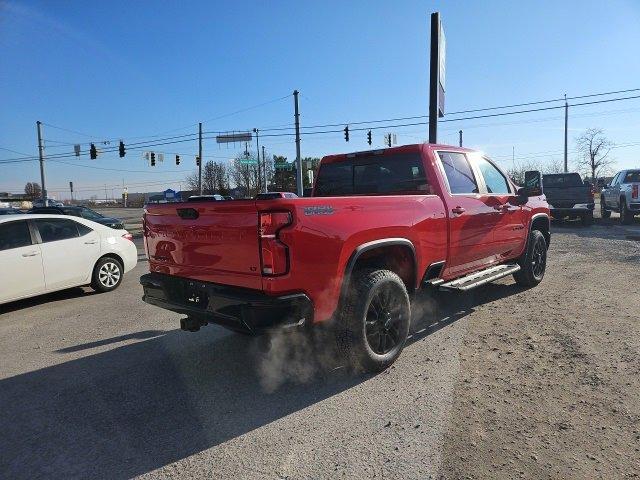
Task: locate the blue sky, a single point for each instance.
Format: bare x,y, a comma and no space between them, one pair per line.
131,70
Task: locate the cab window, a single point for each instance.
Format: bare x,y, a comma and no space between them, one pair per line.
495,181
458,172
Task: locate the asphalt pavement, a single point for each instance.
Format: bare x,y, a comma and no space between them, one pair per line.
106,386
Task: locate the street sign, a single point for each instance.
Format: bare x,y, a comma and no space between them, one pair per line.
249,161
234,137
76,150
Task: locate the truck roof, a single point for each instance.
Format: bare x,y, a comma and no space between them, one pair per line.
416,147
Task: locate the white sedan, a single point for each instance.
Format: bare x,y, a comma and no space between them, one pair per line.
44,253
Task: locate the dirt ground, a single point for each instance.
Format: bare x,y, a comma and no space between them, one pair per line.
549,384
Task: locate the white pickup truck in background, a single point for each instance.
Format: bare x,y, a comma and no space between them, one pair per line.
622,195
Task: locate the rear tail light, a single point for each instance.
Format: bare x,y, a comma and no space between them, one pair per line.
128,236
634,191
274,255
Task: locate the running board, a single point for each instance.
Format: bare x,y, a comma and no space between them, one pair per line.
480,278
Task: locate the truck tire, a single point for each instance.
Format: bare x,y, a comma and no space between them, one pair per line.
587,219
604,213
373,326
626,217
533,262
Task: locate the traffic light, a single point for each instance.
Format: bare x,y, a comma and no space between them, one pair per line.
177,159
93,152
153,159
346,133
369,137
121,149
198,161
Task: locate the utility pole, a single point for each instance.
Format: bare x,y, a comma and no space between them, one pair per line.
264,169
257,132
200,157
460,141
105,193
41,155
513,157
298,159
436,98
566,125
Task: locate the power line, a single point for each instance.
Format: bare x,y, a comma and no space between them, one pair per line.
416,117
161,142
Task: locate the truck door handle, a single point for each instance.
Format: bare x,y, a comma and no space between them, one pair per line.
458,210
30,254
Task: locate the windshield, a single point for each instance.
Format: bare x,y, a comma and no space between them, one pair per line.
90,214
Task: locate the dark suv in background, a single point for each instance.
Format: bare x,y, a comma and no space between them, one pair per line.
82,212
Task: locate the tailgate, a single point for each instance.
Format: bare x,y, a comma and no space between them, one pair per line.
210,241
567,197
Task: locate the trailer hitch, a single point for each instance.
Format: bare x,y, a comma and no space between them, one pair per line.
191,324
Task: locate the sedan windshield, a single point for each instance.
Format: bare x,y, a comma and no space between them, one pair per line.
90,214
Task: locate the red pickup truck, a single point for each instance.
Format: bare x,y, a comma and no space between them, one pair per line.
379,226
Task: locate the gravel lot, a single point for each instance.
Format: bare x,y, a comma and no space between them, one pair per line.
502,382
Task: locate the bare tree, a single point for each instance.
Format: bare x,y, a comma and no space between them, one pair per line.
192,181
594,148
516,172
244,172
215,179
33,190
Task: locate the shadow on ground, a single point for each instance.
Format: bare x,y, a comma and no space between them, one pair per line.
138,407
46,298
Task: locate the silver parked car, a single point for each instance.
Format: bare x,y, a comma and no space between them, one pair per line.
622,195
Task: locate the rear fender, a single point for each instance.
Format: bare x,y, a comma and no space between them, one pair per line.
360,253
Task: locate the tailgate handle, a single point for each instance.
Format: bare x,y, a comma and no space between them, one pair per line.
187,213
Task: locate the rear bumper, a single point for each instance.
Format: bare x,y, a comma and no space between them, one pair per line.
239,309
634,206
566,211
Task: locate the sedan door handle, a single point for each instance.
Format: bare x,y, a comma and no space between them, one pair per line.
30,254
501,208
90,242
458,210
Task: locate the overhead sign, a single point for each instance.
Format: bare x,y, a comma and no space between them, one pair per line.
234,137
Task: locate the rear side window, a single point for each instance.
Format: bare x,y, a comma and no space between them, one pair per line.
632,177
374,174
458,172
14,235
83,229
52,230
494,180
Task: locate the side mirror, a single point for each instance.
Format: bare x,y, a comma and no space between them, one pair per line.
533,183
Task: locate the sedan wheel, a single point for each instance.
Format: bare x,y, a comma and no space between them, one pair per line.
107,275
